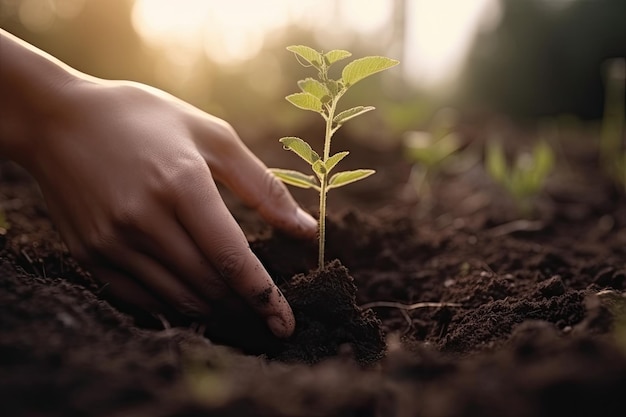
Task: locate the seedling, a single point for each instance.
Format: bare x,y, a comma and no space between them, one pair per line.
525,177
322,95
429,150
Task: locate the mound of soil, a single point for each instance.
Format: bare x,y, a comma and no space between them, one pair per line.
459,310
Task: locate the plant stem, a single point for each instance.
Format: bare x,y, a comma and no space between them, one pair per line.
329,127
324,182
322,222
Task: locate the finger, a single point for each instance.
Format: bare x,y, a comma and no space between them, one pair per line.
202,212
160,281
258,188
124,289
175,249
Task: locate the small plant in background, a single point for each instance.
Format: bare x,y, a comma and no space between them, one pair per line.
612,154
322,95
429,150
525,177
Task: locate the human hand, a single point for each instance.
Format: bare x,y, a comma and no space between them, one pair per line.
128,176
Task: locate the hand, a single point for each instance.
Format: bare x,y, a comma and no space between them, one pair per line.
128,175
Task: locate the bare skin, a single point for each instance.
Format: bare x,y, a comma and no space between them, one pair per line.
128,171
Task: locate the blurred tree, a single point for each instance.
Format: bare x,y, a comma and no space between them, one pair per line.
546,57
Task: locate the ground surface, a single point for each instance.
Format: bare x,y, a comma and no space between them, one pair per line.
525,322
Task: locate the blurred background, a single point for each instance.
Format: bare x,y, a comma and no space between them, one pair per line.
523,59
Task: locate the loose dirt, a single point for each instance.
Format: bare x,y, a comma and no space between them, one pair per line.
470,312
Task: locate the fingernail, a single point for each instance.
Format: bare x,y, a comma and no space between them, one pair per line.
306,220
278,327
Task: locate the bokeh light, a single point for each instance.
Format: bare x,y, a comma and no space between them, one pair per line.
40,15
437,33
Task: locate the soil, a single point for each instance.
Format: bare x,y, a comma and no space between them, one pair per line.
444,305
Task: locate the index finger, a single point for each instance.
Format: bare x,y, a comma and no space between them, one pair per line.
202,212
257,187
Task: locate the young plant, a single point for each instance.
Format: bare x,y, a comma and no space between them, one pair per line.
430,150
525,177
322,95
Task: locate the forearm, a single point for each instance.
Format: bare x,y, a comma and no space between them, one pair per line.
33,95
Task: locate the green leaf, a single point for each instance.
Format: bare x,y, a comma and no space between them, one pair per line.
333,87
295,178
543,158
313,87
542,163
496,162
336,55
310,55
305,101
346,177
423,148
300,148
334,160
319,167
360,68
346,115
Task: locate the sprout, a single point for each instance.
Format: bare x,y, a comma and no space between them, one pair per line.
430,150
525,177
322,95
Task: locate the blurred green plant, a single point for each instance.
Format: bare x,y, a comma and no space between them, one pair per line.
429,150
525,176
322,95
612,153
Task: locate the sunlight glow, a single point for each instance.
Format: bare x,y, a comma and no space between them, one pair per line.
40,16
366,16
438,32
231,31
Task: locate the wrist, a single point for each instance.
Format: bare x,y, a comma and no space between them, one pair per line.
36,91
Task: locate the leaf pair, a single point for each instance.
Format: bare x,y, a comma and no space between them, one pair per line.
526,175
320,167
352,73
299,179
317,59
425,149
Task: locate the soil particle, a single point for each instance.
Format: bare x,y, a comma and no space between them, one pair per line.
264,297
552,287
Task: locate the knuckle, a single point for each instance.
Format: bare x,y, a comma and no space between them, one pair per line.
125,215
276,190
181,175
226,137
100,241
190,306
225,131
212,287
230,263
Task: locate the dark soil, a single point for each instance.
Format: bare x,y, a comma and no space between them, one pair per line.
467,312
